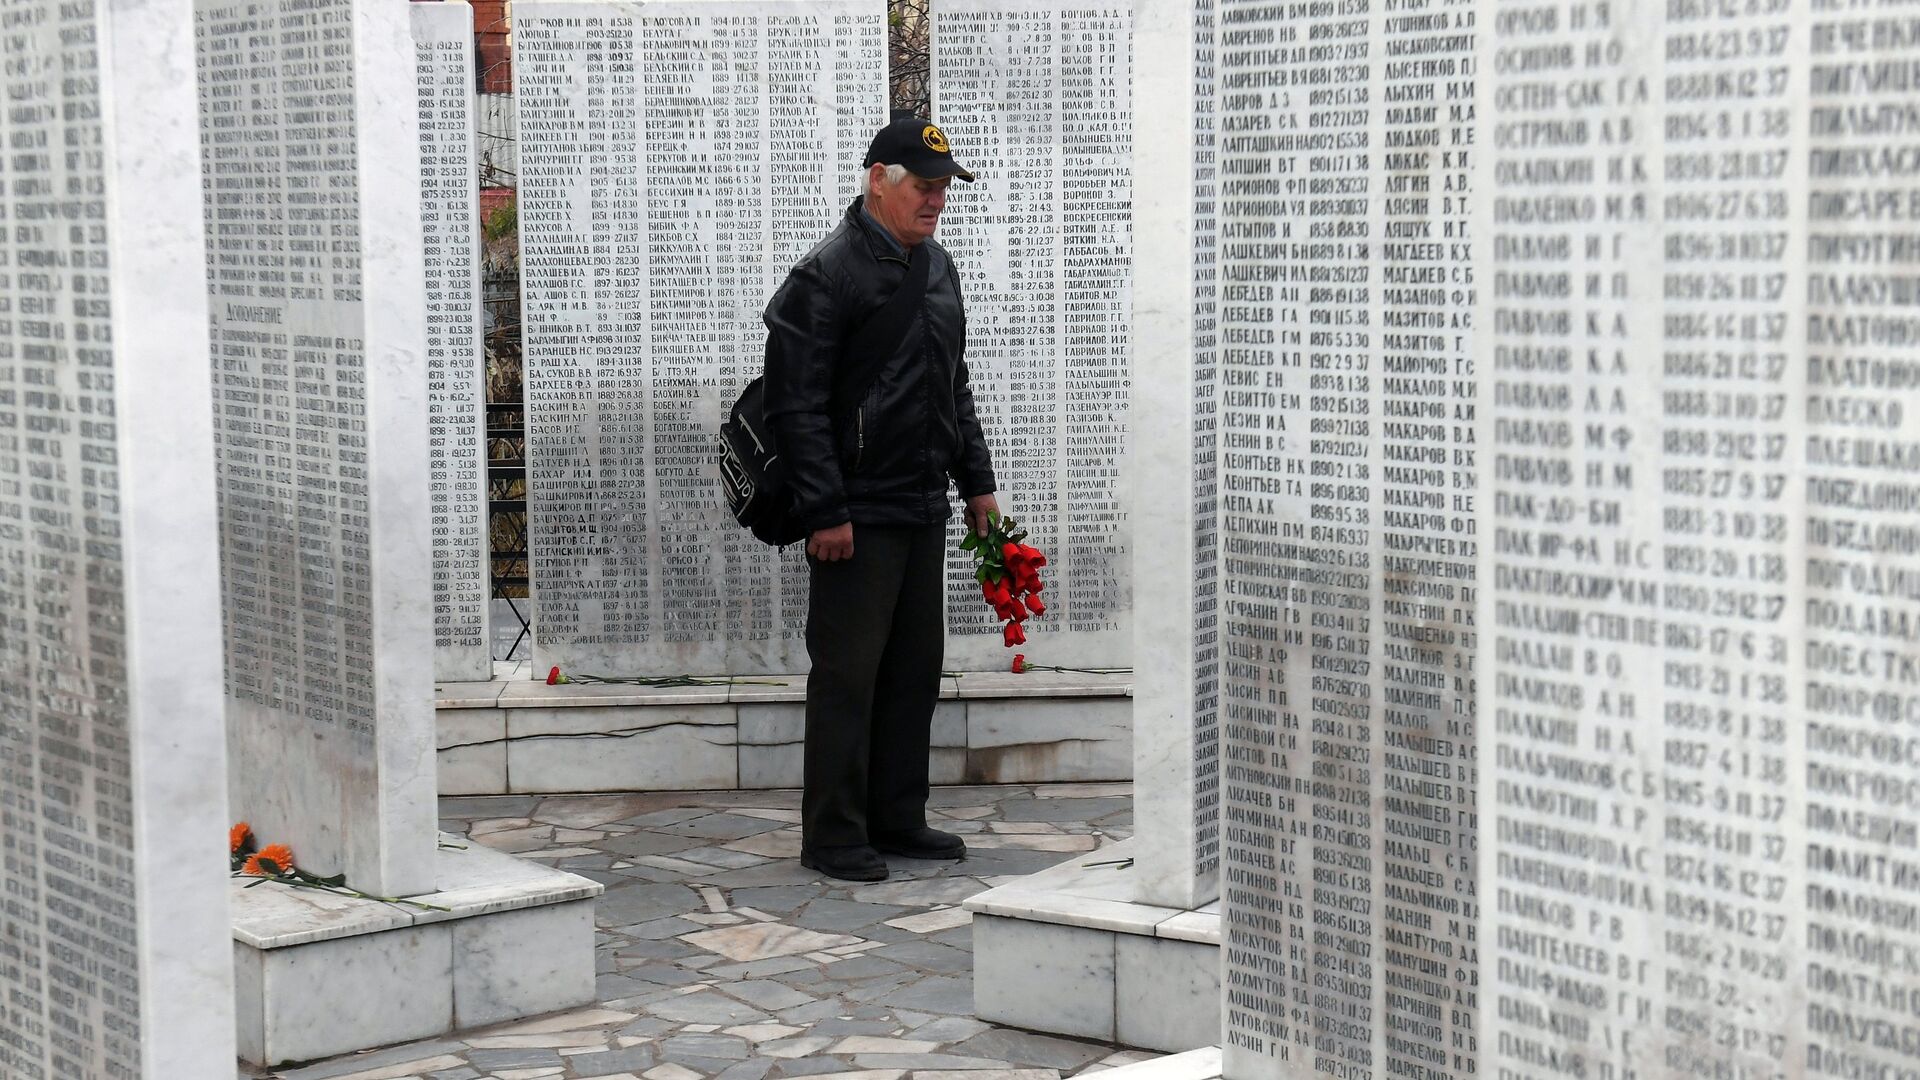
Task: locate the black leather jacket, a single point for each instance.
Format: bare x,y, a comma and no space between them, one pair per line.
884,460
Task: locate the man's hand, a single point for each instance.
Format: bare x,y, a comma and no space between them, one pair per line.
976,513
831,545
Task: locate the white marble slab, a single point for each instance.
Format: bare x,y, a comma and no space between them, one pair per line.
1044,684
1201,1064
638,569
322,429
678,748
519,963
477,881
1038,97
1049,740
1173,454
456,361
335,996
532,694
1166,993
1047,977
112,757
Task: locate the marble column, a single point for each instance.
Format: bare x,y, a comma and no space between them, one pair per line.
318,298
114,958
1176,678
456,357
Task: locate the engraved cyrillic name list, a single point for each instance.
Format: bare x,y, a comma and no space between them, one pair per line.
1206,456
1036,99
1860,692
1349,539
674,164
69,968
449,216
1427,646
1644,365
283,270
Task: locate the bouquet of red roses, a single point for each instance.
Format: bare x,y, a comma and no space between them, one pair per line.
1009,574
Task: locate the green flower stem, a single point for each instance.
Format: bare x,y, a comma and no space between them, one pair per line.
665,680
300,879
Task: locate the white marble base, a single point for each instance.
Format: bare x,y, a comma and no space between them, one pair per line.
1069,951
518,736
320,974
1201,1064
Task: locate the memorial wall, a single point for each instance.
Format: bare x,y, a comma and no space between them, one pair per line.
1347,486
1036,99
1590,328
675,160
315,280
115,958
456,361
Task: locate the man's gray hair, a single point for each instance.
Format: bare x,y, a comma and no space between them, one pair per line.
894,174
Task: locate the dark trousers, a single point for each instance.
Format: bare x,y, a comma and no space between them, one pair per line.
876,632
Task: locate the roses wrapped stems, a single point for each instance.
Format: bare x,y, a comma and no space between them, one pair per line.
1009,574
246,858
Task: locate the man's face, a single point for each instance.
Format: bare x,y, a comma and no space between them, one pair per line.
910,210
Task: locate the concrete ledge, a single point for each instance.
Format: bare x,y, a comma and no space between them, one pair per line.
319,974
1068,951
518,736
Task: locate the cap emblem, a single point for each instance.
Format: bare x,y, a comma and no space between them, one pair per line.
935,139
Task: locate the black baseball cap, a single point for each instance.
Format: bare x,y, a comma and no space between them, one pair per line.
916,144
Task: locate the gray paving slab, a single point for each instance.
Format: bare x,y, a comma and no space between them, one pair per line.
786,1003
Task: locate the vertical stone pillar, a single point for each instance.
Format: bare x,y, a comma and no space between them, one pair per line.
318,298
114,952
1176,653
456,358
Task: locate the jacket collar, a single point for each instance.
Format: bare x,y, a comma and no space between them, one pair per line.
882,247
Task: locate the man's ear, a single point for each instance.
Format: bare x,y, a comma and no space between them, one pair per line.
876,173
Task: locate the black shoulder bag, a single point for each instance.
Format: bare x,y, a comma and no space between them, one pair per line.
753,479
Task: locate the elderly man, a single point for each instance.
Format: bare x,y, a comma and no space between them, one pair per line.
869,478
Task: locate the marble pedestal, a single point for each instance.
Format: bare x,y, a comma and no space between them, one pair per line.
1070,951
515,735
319,974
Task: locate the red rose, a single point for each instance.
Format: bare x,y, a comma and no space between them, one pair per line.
1035,605
553,676
1032,556
1019,663
1012,555
1013,635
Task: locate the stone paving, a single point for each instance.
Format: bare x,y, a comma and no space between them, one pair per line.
720,956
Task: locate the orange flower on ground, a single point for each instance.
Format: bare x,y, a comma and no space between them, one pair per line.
238,836
274,860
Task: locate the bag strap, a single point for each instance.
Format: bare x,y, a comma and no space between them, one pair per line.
883,332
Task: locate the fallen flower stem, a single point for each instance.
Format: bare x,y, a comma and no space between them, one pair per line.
300,880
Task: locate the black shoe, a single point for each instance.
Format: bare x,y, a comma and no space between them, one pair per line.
921,843
854,862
